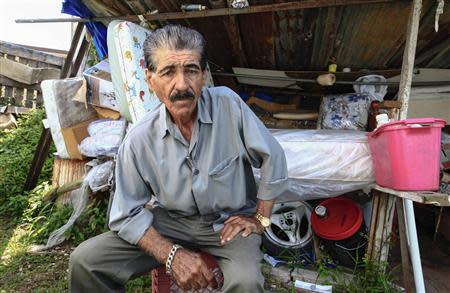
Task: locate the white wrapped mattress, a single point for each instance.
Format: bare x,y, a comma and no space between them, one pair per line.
324,163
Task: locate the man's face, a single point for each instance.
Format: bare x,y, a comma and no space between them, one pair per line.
177,80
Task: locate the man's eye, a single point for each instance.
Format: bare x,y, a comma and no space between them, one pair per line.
191,71
167,73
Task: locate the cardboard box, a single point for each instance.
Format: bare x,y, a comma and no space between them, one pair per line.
73,136
100,87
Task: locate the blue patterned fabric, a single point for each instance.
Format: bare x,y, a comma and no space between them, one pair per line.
347,111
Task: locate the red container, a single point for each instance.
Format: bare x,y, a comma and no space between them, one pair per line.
406,153
341,228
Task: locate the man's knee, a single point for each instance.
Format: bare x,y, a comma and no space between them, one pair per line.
244,278
81,257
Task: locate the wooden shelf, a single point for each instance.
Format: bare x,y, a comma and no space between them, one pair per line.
425,197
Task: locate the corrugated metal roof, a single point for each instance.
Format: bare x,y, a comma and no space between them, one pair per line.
359,36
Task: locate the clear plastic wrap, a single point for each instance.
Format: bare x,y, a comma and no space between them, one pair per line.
324,163
105,138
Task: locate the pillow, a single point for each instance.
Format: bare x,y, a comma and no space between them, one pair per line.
347,111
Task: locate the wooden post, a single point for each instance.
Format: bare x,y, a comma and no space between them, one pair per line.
408,58
403,97
406,264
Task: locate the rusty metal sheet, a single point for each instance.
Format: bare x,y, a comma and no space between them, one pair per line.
360,36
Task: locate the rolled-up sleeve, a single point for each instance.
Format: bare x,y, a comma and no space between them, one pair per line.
128,215
265,153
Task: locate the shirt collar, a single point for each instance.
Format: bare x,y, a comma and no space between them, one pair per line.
163,127
204,110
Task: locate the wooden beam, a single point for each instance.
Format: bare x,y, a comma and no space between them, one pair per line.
40,155
218,12
406,264
425,197
76,36
19,51
408,57
12,83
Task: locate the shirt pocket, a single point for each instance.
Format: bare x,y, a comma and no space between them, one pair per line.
225,186
224,167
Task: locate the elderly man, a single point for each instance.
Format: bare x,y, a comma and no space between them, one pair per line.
194,153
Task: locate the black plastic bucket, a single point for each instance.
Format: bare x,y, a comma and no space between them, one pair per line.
339,223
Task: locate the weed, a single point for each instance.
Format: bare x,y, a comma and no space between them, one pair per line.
17,148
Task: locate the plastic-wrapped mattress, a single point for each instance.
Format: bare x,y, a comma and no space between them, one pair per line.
324,163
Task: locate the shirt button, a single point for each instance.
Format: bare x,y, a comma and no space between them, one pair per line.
196,171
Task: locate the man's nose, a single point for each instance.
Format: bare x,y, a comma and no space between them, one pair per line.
181,83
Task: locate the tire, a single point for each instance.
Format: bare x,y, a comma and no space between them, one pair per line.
290,234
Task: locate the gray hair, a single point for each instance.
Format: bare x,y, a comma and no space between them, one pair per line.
174,37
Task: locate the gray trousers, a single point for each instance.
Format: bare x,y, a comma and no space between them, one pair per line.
106,262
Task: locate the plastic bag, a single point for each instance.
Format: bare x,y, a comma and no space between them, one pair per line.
376,92
105,138
324,163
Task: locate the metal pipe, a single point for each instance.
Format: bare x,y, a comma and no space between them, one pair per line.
215,12
414,245
309,80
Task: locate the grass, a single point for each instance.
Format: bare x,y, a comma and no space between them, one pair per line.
21,271
25,219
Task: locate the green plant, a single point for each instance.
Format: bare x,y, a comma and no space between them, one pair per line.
369,277
17,147
90,223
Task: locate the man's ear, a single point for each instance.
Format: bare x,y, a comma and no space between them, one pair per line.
148,75
204,77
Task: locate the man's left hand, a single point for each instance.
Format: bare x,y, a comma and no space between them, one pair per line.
236,224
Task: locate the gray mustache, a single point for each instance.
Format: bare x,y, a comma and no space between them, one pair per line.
180,96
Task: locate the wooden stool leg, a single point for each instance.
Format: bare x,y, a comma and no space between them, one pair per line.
407,281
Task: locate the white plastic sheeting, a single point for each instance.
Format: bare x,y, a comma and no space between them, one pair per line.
324,163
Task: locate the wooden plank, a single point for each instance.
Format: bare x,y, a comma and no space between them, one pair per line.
16,110
39,99
80,56
406,264
38,160
65,172
387,228
373,223
408,58
378,238
29,101
12,83
306,4
73,46
24,73
19,51
425,197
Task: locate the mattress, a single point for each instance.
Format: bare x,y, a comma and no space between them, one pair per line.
324,163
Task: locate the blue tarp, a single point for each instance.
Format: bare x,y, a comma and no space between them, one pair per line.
96,29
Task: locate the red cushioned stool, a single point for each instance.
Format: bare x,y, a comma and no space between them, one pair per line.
163,283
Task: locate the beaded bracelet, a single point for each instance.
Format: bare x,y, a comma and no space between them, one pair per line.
169,260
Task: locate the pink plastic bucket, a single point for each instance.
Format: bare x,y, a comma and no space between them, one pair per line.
406,153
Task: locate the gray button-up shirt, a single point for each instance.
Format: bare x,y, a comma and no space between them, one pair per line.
211,174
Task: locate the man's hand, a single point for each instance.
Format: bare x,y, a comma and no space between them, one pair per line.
191,272
236,224
188,268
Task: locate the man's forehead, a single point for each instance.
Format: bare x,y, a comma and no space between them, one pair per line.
163,57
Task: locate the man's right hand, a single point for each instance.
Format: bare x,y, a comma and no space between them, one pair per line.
191,272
